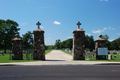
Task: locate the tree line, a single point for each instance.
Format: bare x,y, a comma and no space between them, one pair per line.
8,29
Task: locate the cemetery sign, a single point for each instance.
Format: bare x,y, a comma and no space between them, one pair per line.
102,51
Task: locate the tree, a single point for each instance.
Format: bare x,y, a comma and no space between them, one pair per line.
105,36
8,29
57,43
89,42
27,40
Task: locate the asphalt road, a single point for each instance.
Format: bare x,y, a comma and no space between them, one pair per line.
60,72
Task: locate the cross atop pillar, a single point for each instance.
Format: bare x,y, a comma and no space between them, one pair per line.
38,24
78,24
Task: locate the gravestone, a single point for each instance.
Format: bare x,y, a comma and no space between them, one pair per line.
110,57
17,48
78,43
39,50
100,46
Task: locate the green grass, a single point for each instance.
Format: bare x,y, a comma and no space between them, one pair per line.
91,58
5,58
66,52
47,51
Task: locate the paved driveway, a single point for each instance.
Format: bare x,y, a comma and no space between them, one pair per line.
57,55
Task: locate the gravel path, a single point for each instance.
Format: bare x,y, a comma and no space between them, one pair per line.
57,55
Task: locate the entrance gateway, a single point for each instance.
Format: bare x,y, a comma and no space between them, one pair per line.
78,45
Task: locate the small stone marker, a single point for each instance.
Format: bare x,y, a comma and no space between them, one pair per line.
110,57
78,43
38,50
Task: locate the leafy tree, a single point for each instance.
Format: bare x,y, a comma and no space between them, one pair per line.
57,43
89,42
8,29
27,40
105,36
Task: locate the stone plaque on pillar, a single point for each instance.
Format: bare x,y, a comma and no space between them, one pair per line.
78,44
99,43
17,48
39,50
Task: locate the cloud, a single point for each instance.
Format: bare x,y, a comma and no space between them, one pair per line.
49,38
23,23
41,26
104,28
111,40
87,34
103,0
56,22
70,37
98,31
111,28
118,33
106,0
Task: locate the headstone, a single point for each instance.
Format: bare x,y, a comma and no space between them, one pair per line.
78,44
17,48
110,57
100,43
39,50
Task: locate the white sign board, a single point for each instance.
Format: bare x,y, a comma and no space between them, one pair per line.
102,51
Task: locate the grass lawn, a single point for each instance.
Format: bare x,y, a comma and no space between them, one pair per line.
67,52
91,58
5,58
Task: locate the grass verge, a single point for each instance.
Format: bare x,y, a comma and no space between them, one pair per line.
91,58
5,58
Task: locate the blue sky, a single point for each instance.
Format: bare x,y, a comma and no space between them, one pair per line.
58,18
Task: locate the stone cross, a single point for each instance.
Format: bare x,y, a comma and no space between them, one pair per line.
78,24
38,24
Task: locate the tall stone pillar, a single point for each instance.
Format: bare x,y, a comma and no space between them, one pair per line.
39,50
17,48
78,44
99,43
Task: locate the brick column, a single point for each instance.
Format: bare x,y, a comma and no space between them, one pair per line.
17,48
39,50
78,45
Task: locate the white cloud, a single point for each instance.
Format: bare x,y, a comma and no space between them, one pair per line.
70,37
106,0
49,38
56,22
23,23
118,33
111,40
104,28
103,0
113,28
87,34
41,26
109,27
98,31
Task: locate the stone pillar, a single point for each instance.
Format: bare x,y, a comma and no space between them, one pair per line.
17,48
78,44
39,50
99,43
